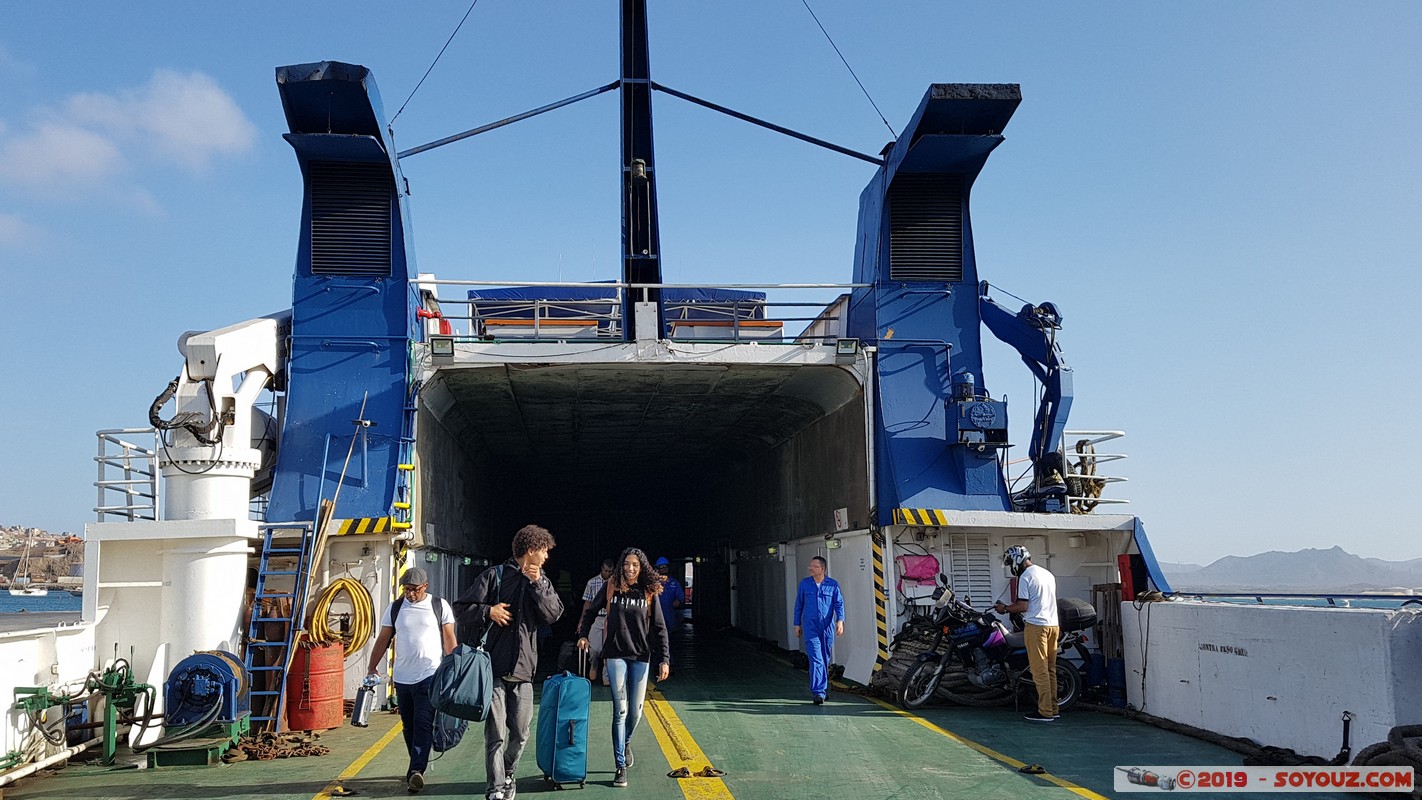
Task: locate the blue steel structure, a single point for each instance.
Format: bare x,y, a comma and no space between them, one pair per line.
939,431
353,310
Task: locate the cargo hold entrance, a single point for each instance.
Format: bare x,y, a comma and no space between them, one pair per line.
686,460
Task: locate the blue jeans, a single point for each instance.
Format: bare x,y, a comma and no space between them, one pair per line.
417,713
629,681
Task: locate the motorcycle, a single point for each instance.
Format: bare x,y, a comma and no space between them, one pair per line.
993,658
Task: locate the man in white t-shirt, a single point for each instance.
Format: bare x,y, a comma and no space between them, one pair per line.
593,593
422,627
1037,601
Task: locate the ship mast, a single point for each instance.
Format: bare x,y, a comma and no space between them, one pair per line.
641,241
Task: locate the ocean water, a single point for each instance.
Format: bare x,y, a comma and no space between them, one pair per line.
56,600
1319,602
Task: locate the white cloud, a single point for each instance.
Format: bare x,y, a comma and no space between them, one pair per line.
181,118
58,153
15,232
187,117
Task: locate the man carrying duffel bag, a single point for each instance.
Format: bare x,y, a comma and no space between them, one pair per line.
511,601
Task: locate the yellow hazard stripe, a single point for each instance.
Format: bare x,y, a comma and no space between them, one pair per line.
366,525
920,516
359,764
881,603
991,753
682,751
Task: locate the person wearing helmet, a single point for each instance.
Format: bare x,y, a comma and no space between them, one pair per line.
819,613
1037,599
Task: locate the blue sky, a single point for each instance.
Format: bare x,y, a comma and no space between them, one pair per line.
1223,199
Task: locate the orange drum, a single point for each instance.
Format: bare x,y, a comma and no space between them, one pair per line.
315,687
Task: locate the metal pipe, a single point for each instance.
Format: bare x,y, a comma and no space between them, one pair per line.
770,125
506,121
30,769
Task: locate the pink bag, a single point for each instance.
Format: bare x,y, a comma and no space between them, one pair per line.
916,571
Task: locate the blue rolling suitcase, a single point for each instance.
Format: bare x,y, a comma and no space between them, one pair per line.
563,728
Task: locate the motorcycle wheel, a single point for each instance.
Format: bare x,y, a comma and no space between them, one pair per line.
1068,686
919,683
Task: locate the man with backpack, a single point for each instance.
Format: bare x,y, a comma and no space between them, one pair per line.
422,627
512,601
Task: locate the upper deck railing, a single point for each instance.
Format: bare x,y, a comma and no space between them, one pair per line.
128,474
1085,481
505,311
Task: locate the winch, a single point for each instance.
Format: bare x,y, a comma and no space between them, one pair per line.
207,710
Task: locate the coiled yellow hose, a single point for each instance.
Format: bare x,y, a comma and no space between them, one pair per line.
362,625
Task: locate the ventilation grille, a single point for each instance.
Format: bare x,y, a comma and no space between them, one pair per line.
971,568
350,218
926,228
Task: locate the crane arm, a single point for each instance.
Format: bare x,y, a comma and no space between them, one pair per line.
1032,333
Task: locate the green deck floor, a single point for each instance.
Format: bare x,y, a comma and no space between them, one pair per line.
748,712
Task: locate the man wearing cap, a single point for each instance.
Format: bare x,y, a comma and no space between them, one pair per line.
672,596
422,627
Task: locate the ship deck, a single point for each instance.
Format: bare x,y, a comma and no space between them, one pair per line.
731,704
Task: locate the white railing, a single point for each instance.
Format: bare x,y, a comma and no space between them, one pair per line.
600,318
129,471
1082,460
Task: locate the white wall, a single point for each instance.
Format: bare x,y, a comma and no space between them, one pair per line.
1280,675
853,566
41,657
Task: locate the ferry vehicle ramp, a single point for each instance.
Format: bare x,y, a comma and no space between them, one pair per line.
731,703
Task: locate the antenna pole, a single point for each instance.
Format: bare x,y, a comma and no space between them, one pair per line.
641,240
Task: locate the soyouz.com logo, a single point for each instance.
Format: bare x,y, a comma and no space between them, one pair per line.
1263,779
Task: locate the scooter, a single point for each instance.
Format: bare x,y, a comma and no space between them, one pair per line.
993,657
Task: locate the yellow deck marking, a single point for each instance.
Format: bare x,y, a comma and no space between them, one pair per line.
990,753
359,764
682,751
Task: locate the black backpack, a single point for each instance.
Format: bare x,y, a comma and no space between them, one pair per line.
435,601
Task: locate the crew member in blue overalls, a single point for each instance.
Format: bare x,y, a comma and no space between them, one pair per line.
819,611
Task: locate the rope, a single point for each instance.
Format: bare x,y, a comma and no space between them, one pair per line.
1081,483
1403,748
362,623
851,69
432,63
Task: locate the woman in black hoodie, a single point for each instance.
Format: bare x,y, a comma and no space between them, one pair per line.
636,639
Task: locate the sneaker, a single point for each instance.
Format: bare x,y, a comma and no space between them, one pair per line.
496,794
627,754
510,788
620,779
1035,717
819,699
415,782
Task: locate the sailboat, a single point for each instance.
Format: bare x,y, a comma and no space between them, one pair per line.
22,586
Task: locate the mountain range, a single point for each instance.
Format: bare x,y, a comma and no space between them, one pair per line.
1312,571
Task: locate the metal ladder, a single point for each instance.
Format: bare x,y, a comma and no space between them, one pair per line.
278,652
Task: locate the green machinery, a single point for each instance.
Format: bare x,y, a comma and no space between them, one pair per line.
205,699
118,689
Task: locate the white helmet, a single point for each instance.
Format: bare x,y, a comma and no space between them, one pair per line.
1015,557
